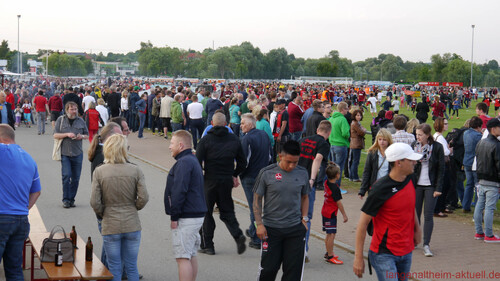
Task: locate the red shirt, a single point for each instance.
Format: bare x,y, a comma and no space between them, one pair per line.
55,103
332,196
40,102
294,115
361,96
485,119
10,99
438,109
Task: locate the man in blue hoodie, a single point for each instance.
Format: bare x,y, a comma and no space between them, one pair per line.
185,203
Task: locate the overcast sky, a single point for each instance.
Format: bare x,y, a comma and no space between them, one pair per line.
414,30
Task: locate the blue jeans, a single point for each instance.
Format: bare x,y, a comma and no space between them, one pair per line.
40,120
296,136
310,211
13,231
132,121
248,183
197,127
142,120
469,187
353,170
176,126
338,154
390,267
122,250
487,197
71,169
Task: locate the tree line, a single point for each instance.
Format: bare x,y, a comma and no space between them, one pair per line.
246,61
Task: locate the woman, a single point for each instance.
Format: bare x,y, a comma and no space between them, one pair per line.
376,166
124,104
93,120
141,112
430,176
263,124
118,192
411,126
103,111
357,144
235,119
72,130
422,111
441,125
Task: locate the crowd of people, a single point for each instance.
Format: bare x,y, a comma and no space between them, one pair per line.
283,143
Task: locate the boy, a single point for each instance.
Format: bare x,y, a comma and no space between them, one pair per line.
331,204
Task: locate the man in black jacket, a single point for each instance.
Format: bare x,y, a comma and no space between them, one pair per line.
6,114
114,102
488,176
71,96
312,122
217,152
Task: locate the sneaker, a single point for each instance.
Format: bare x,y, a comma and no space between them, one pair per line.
326,257
72,204
356,180
492,239
427,251
240,244
478,236
66,205
208,251
335,261
254,245
343,191
166,137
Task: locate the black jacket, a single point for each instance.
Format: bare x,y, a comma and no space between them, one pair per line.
312,123
436,166
422,111
370,172
488,159
10,115
114,100
74,98
217,152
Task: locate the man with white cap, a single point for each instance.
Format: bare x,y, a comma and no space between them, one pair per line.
390,206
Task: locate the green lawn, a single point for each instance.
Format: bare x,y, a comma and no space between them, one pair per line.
464,114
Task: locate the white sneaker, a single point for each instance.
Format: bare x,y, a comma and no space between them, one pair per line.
427,251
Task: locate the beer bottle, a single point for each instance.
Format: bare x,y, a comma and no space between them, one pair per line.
73,237
58,258
89,250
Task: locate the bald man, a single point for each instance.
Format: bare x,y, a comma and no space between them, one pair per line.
6,113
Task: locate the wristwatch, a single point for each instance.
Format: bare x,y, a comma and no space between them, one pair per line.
305,218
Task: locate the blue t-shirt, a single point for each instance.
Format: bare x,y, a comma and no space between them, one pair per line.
18,178
5,118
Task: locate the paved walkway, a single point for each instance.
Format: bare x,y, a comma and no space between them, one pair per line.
455,250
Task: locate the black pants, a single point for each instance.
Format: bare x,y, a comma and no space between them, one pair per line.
284,245
196,127
219,191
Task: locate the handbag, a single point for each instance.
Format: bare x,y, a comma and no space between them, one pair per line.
49,247
56,150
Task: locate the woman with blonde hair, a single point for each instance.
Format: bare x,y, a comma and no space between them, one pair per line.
376,166
118,192
411,126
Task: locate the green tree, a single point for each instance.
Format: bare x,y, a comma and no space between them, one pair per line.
4,50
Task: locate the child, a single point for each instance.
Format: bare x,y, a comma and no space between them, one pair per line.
27,112
331,204
18,113
92,118
456,105
413,105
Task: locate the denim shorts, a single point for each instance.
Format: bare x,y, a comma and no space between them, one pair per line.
186,238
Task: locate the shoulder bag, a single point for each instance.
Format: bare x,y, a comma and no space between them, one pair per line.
56,150
49,247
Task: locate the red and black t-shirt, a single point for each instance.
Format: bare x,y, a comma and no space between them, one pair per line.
310,147
392,206
332,196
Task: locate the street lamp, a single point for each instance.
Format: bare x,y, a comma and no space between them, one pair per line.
19,65
472,56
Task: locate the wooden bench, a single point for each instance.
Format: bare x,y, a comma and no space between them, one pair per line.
80,269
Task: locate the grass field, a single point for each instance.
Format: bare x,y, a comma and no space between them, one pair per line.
464,114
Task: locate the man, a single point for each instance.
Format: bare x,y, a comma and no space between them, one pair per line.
488,175
481,111
177,120
55,108
295,112
123,124
41,107
20,188
217,152
314,152
372,100
6,113
87,99
282,225
401,135
71,96
212,105
257,148
194,112
165,113
390,206
133,98
327,112
184,201
114,100
280,128
339,138
316,118
471,137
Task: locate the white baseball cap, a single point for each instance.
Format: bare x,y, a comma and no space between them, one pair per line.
399,151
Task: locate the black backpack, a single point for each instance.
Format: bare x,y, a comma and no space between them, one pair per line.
455,139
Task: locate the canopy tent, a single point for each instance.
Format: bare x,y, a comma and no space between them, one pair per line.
5,72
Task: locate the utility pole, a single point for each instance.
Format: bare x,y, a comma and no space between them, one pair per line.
472,56
19,63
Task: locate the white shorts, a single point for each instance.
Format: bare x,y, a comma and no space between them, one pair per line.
186,237
373,109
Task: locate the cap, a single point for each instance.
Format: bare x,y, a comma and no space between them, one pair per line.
493,122
400,151
137,88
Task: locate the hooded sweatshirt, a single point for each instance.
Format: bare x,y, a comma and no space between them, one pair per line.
340,130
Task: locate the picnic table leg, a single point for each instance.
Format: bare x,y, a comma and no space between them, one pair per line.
32,262
24,255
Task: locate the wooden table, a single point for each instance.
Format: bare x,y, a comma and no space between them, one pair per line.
79,270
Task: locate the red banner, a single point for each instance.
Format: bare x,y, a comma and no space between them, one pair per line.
430,84
33,69
453,84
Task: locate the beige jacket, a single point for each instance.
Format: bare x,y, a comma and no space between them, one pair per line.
118,192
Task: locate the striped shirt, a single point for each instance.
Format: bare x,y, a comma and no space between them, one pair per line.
404,137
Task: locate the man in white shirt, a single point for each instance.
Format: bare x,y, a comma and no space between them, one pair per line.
87,100
166,104
194,112
373,104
